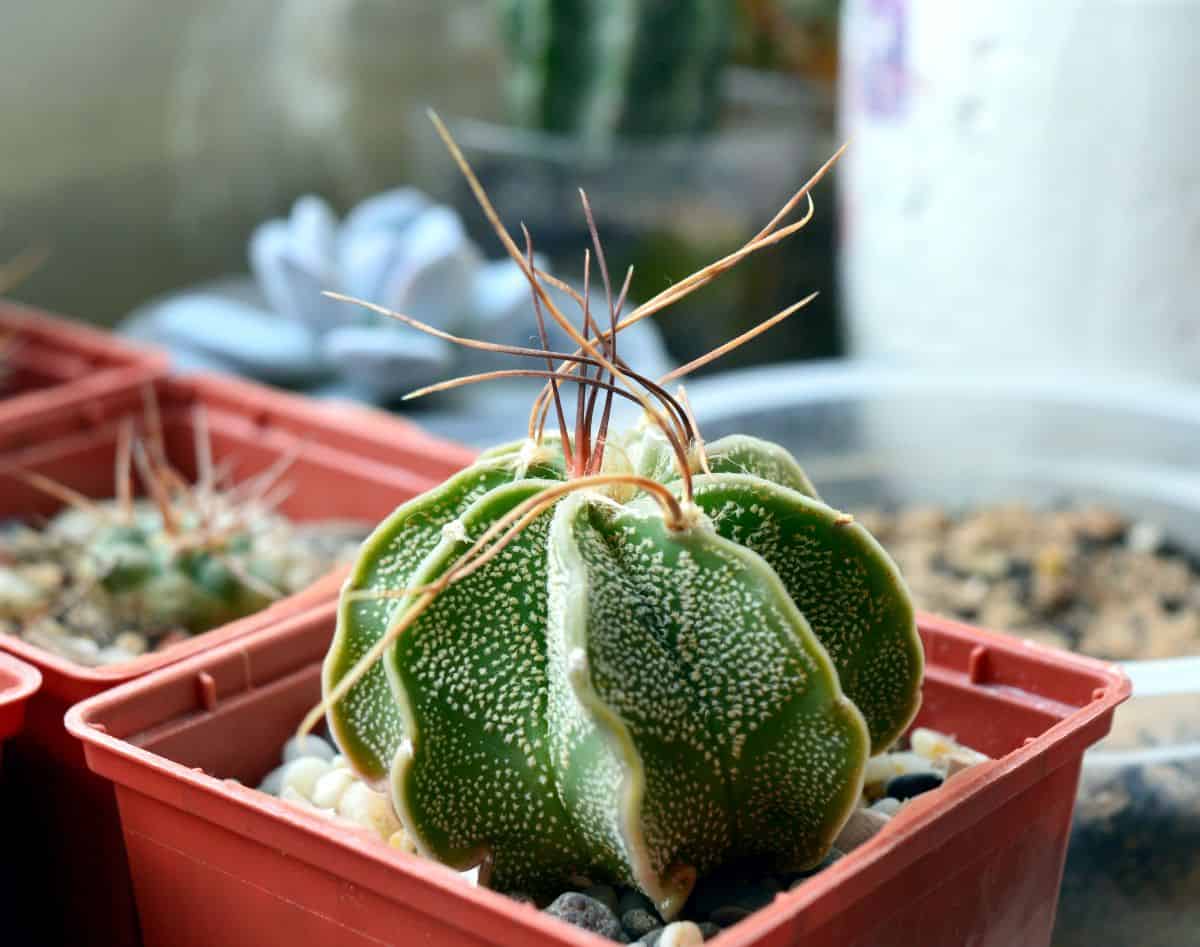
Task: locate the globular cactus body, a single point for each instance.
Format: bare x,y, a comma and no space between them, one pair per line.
616,696
598,69
632,657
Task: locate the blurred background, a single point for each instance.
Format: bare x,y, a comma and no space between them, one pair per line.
1008,262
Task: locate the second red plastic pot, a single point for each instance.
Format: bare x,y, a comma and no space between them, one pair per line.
350,463
977,862
50,362
18,681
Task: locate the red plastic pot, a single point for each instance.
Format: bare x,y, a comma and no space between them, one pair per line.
18,681
351,463
51,362
977,862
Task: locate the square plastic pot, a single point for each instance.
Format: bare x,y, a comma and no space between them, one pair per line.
350,463
977,862
50,362
18,681
874,434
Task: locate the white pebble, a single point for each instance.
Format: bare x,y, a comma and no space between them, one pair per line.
881,768
85,646
403,841
361,804
310,745
1144,537
940,748
887,805
131,643
272,783
304,775
862,826
290,795
681,934
329,788
962,759
931,744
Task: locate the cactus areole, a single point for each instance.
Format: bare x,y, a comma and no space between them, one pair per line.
630,656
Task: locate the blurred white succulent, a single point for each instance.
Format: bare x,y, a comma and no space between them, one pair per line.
397,249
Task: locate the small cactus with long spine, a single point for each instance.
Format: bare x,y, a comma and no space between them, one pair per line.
107,575
599,70
630,656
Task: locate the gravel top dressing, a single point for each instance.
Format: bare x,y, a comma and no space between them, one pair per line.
1093,581
315,777
1086,579
98,587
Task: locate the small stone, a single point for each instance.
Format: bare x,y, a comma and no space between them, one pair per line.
886,806
18,595
632,900
1100,525
272,783
939,749
310,745
605,894
885,766
47,576
1053,591
329,788
592,915
84,647
862,826
291,796
962,759
131,643
680,934
1145,537
639,923
364,806
729,914
930,744
304,774
912,784
403,841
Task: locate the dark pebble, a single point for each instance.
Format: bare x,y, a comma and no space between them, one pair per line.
911,784
729,914
1171,604
588,913
708,929
605,894
639,922
633,900
1019,569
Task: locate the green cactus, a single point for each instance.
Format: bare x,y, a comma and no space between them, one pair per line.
188,559
628,656
599,69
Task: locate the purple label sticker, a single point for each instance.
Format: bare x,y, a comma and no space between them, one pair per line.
884,73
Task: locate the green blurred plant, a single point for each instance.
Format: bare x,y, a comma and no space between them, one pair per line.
599,70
